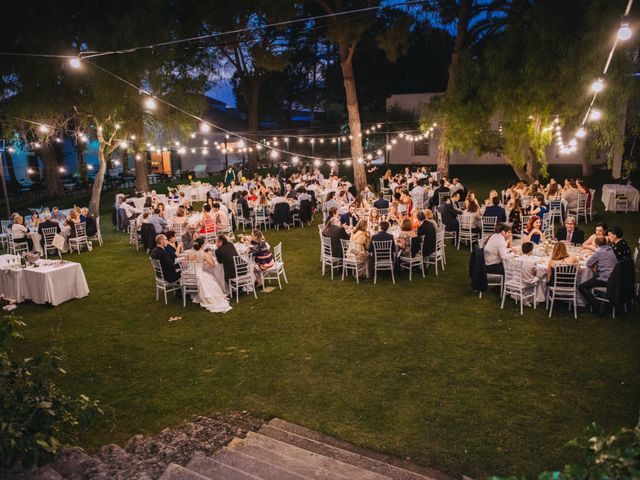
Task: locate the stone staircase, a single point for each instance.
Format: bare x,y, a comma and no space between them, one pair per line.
283,451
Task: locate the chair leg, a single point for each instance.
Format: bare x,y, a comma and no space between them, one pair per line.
165,296
284,274
504,295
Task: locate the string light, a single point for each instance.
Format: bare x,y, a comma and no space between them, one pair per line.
317,162
43,129
624,32
595,115
274,154
193,150
205,127
75,62
295,160
124,145
205,151
150,103
132,137
597,86
581,133
138,156
89,167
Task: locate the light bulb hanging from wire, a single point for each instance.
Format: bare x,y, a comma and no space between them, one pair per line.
624,32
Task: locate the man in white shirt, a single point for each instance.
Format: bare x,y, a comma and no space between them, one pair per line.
496,249
529,264
129,209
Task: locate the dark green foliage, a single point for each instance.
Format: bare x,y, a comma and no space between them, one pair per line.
35,416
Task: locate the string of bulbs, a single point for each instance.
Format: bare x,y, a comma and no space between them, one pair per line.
594,114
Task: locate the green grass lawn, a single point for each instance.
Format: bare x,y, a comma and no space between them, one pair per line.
423,370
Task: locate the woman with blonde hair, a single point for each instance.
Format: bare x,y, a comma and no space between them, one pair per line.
560,256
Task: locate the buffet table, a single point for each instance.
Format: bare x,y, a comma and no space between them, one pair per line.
49,281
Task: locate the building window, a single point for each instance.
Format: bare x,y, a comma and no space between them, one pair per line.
421,148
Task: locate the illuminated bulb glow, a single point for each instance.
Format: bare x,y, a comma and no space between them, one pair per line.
124,145
624,32
317,163
347,163
89,167
332,163
205,127
43,129
295,160
300,140
581,133
75,62
274,154
193,150
597,86
595,115
150,103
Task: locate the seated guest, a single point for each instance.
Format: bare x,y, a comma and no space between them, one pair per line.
208,221
529,264
144,218
360,240
430,218
86,217
277,199
560,256
383,236
570,194
533,230
449,213
495,210
515,216
570,233
374,217
189,237
157,221
618,244
381,202
407,234
538,207
169,271
243,205
473,212
489,201
471,198
427,230
602,262
260,250
225,252
435,199
331,201
350,219
601,231
180,216
172,248
72,221
496,249
20,232
57,216
336,232
303,196
47,223
221,217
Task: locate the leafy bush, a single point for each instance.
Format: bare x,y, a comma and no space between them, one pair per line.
35,416
606,457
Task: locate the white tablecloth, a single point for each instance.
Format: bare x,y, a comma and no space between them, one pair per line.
49,282
609,192
199,191
139,202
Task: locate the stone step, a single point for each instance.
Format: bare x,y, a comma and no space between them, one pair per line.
211,469
292,464
347,452
176,472
254,466
301,455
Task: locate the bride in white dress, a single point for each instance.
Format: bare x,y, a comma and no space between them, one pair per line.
210,294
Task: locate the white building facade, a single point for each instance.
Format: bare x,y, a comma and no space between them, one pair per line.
426,152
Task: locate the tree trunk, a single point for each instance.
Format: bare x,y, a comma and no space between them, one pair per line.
13,180
96,191
520,171
355,128
251,94
532,166
464,17
618,151
82,166
142,173
587,167
52,181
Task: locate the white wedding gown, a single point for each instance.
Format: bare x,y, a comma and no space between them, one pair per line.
210,294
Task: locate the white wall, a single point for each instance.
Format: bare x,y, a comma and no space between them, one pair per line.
402,152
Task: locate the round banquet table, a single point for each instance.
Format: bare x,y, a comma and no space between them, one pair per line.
542,262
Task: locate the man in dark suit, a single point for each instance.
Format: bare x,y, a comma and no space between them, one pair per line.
48,223
282,176
496,210
350,219
225,252
570,233
381,202
435,199
428,231
159,253
450,213
335,232
383,236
